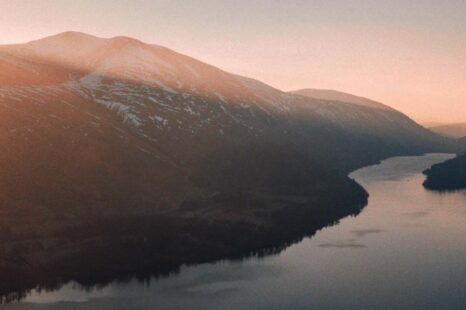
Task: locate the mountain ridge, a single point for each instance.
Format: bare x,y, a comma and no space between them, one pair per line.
170,107
457,130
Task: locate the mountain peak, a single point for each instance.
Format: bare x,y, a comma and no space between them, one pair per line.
76,37
67,36
70,34
72,47
125,39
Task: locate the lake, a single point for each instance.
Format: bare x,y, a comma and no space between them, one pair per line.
405,250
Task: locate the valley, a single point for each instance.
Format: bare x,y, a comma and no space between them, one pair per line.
123,158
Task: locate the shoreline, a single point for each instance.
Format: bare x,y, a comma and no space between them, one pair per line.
148,246
150,251
448,176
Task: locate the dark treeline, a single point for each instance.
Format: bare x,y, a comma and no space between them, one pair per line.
143,247
447,176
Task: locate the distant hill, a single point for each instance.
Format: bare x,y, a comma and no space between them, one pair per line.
431,124
334,95
451,130
462,142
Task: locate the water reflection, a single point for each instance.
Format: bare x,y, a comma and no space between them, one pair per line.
360,233
349,243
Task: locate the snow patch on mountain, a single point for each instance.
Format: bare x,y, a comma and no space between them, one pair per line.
159,121
123,110
91,81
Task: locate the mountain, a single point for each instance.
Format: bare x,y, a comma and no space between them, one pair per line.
372,127
114,150
451,130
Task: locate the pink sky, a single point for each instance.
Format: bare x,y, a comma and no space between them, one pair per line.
410,55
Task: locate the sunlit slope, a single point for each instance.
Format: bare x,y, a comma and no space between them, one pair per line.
133,124
334,95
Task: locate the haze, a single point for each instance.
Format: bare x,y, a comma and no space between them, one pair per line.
410,55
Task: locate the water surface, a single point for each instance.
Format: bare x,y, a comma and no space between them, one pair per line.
406,250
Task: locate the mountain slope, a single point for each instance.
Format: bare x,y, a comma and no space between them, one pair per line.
164,96
372,128
97,131
333,95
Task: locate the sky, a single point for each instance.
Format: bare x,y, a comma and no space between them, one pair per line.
409,54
